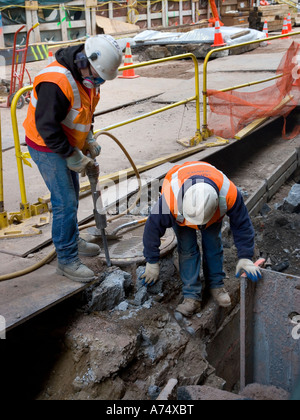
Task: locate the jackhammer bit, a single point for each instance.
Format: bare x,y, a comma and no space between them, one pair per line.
93,172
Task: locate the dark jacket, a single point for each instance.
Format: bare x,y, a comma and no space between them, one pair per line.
160,219
52,106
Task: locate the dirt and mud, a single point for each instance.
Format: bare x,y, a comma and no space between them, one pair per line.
73,352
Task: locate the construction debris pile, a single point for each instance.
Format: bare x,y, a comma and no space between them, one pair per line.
151,44
273,14
126,341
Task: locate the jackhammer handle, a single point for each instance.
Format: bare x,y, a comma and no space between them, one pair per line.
92,171
105,247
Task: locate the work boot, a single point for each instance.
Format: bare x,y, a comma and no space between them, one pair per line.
189,307
221,296
87,249
76,271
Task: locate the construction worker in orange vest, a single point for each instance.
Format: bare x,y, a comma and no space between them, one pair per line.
59,135
195,198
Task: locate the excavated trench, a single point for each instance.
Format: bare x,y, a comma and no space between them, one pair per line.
120,341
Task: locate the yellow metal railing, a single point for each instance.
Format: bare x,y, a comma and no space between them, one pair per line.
197,138
24,205
205,130
3,213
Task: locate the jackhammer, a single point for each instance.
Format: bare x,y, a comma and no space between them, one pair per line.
93,172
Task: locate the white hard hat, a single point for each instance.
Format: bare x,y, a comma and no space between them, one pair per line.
104,54
200,203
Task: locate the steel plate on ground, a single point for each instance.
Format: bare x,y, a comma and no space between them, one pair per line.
129,247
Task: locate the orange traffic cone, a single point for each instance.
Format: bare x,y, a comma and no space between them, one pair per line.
285,29
128,74
50,57
289,23
266,31
218,40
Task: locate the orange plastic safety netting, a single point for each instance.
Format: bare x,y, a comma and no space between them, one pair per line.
233,110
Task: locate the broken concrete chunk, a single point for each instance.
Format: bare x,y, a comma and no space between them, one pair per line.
153,392
265,393
111,292
141,296
206,393
170,390
123,306
291,203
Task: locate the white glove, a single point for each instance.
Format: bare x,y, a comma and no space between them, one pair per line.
250,269
151,274
91,146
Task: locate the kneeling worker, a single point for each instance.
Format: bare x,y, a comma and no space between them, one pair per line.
196,196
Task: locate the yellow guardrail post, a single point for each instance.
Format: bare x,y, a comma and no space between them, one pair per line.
205,130
24,205
3,213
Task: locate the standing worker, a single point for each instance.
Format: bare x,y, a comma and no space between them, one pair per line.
196,196
59,135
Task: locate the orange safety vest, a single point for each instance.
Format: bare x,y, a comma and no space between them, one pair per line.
78,121
179,174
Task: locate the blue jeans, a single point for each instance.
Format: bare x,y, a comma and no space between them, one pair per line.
190,259
63,185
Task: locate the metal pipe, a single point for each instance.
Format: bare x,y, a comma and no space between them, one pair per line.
148,114
204,92
129,224
252,83
243,327
93,172
243,332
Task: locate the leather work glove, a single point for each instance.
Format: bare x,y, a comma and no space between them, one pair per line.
91,147
250,269
151,274
77,161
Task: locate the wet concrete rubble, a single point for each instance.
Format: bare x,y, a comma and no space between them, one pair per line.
127,341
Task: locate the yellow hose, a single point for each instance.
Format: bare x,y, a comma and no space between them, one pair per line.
106,133
52,254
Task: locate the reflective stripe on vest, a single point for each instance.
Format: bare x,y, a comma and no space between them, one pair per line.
175,185
72,114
